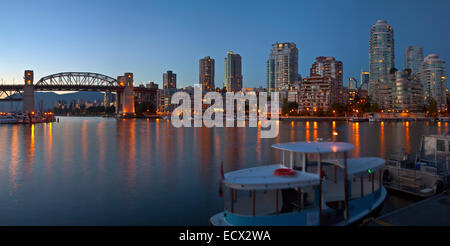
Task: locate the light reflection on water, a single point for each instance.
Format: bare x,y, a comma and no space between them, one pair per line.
100,171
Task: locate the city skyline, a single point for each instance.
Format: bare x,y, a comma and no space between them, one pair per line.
28,46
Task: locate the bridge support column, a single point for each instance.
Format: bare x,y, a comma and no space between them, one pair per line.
125,98
28,92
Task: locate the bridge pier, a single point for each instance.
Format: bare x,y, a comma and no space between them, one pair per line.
28,92
125,97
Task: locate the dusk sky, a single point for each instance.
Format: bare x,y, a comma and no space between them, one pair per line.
151,37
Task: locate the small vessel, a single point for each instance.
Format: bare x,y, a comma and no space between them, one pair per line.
357,119
372,119
315,184
424,175
7,119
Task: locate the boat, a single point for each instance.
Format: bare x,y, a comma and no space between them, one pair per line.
7,119
357,119
423,175
314,184
372,119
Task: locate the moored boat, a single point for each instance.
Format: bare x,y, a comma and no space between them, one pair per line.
315,184
424,175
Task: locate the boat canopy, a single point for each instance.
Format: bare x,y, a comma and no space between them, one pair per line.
315,147
359,166
263,178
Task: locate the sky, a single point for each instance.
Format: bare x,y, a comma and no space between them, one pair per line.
148,37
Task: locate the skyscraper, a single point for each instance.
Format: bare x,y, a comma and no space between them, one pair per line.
352,84
282,66
233,72
414,58
206,74
169,80
364,80
434,80
381,54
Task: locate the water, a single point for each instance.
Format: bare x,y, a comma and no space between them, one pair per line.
102,171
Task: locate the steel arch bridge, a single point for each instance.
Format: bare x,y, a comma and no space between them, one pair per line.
69,81
79,81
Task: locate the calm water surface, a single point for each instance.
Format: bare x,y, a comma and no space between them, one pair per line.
101,171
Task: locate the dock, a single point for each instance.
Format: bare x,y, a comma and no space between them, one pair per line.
434,211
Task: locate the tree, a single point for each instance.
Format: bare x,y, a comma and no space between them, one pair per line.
432,110
289,108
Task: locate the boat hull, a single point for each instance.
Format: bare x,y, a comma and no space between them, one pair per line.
355,218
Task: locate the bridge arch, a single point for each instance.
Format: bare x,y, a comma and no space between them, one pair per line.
81,79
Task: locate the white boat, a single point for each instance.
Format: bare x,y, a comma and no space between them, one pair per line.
7,119
307,188
425,175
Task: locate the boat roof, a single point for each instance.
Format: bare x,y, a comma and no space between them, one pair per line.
262,178
315,147
359,166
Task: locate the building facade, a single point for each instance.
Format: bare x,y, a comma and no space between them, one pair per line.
233,72
364,81
316,93
433,76
406,92
352,84
206,74
169,80
381,55
282,66
414,58
330,67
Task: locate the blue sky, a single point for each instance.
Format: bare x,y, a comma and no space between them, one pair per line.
150,37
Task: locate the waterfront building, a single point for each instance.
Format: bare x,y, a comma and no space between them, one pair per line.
233,72
206,74
381,55
352,84
433,78
406,92
316,93
282,66
169,80
413,58
330,67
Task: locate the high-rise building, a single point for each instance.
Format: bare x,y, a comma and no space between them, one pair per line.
364,81
381,54
414,58
233,72
406,92
206,74
330,67
352,84
282,66
170,80
434,80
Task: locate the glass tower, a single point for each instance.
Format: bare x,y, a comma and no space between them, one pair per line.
206,74
414,58
434,80
381,54
233,72
282,66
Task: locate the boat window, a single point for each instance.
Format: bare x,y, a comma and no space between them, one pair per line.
264,202
440,145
